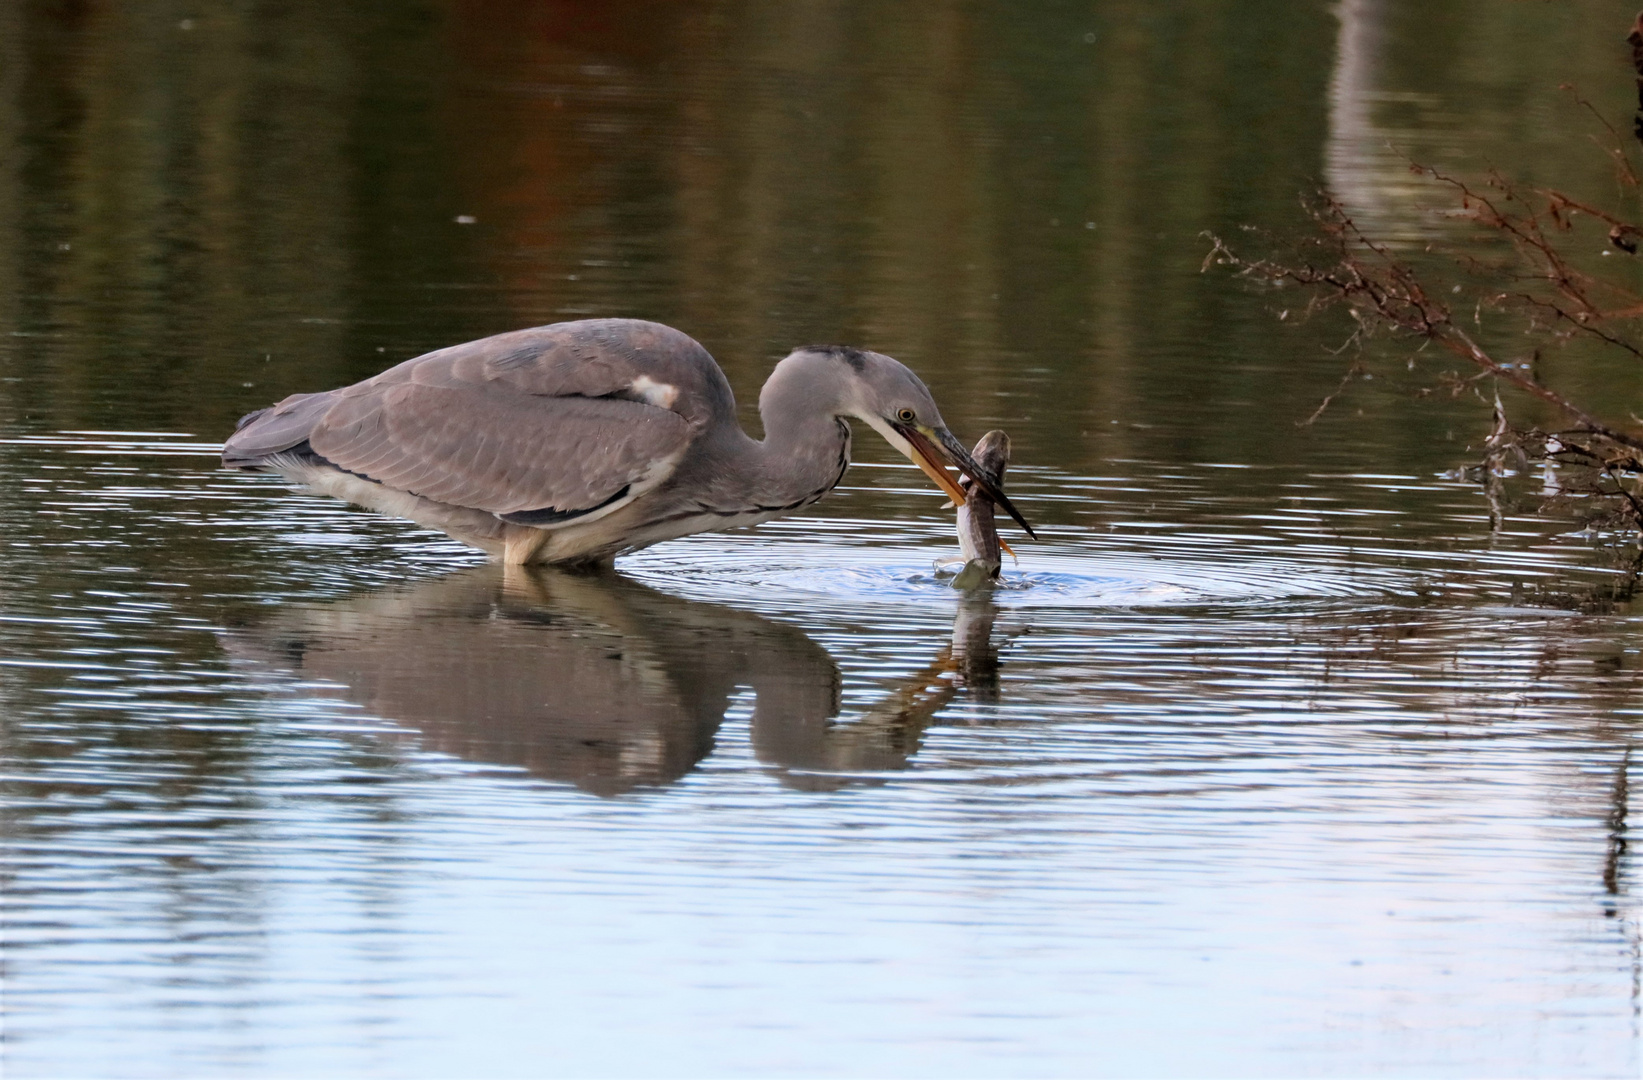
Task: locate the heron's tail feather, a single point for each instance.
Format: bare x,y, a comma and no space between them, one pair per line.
266,432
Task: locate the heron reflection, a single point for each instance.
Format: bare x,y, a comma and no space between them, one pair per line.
602,682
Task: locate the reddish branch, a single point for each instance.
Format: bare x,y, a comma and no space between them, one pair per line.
1538,282
1379,288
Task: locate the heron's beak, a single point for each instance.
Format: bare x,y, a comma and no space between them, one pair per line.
935,448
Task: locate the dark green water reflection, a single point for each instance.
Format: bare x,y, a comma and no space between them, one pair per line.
1283,753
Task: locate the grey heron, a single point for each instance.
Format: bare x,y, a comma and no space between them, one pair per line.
577,442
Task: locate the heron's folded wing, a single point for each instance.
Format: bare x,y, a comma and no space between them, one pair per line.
594,358
546,459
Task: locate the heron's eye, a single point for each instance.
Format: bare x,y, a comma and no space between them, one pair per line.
905,415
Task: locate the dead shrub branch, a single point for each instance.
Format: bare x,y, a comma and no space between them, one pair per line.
1524,270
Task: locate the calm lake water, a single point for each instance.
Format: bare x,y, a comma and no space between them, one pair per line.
1287,751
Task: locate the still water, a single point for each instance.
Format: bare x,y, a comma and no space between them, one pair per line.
1287,751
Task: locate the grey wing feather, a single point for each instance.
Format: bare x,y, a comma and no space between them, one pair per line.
593,358
541,424
502,453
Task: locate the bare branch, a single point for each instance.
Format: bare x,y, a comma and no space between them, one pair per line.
1387,291
1616,151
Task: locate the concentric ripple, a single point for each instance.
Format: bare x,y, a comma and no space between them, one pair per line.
1065,574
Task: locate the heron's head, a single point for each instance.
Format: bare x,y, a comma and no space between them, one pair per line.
884,394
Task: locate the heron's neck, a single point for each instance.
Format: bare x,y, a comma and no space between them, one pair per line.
803,455
806,447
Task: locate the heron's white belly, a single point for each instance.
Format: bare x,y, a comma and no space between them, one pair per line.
472,527
596,539
568,542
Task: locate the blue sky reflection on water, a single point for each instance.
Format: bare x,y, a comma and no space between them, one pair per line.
1286,752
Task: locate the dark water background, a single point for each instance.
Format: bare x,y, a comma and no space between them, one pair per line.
1287,751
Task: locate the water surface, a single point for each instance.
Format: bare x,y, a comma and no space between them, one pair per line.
1287,751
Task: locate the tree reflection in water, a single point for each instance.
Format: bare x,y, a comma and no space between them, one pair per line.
603,682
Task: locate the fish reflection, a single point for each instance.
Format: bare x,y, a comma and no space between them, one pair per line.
604,682
820,755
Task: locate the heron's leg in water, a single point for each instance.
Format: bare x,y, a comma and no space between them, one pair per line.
523,544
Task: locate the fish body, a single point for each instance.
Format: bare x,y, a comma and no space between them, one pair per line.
977,529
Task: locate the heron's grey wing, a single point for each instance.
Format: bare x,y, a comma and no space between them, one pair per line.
596,358
538,426
591,358
532,459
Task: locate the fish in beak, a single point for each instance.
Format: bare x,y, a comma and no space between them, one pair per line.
935,448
